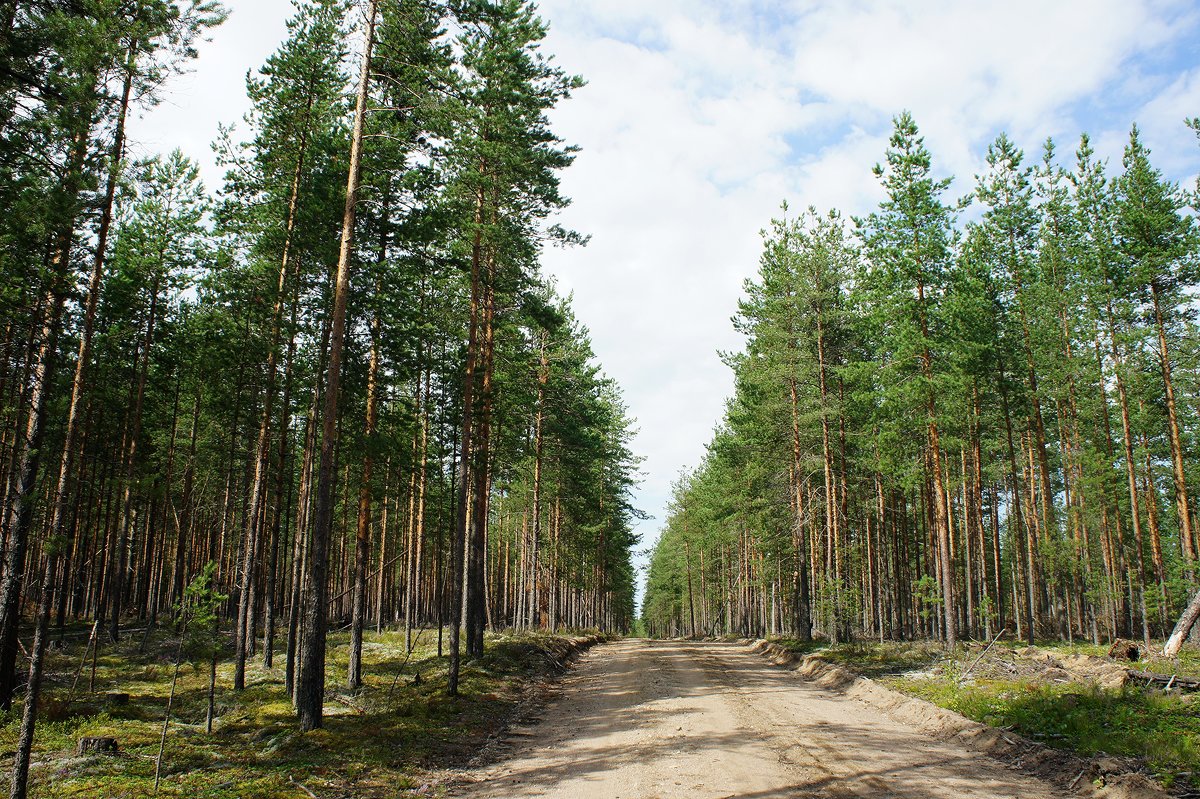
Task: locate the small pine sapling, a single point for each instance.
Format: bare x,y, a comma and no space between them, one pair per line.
199,640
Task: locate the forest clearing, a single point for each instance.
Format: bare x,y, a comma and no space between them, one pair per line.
632,718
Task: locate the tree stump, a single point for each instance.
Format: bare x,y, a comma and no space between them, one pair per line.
1125,650
96,746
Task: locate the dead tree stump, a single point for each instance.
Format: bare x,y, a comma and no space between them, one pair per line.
1125,650
96,746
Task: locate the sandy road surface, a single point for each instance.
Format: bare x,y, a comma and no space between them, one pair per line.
672,720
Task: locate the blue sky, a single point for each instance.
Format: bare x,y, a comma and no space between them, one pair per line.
701,116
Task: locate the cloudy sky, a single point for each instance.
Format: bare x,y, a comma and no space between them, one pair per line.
700,116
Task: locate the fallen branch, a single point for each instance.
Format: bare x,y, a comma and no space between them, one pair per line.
83,660
302,787
971,668
1168,680
403,663
162,742
350,703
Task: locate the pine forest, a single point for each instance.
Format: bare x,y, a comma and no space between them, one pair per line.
335,393
358,360
957,416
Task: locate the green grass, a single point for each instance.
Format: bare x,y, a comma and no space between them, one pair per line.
1164,730
871,658
380,742
1186,665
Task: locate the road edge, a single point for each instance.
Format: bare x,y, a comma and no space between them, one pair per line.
1066,770
536,692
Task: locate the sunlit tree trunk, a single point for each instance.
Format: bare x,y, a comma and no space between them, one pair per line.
310,683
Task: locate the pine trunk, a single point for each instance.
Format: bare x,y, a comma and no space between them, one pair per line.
310,682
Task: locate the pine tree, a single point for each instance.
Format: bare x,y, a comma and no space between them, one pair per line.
908,246
295,104
505,160
310,683
1158,243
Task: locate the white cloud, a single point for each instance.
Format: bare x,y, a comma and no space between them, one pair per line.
213,92
697,122
1173,145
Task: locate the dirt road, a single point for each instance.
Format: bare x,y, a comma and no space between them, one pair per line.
672,720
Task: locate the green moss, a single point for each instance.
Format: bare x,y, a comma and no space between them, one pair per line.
378,742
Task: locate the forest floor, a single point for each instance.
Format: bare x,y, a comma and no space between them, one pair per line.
701,720
394,738
1072,697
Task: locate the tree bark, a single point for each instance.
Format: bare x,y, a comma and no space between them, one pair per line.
262,456
1186,621
1186,536
362,547
29,449
476,589
466,452
1131,475
939,486
124,516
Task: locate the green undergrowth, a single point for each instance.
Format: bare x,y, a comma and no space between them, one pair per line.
385,741
1163,730
871,658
